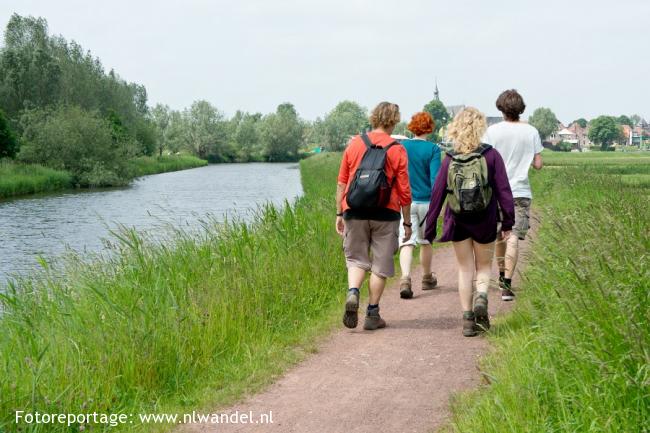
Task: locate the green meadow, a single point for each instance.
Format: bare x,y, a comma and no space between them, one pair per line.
574,355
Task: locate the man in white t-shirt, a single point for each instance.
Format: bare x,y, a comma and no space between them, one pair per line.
520,147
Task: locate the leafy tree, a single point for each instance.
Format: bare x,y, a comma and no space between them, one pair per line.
545,121
161,117
624,120
205,132
8,142
440,115
281,134
30,74
40,71
605,131
245,137
581,121
636,119
69,138
346,119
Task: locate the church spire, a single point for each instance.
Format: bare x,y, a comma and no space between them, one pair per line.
436,93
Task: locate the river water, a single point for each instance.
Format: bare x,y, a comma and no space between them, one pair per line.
44,225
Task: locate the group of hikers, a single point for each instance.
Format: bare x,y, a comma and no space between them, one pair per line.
390,193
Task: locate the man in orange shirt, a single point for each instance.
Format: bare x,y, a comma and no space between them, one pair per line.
370,235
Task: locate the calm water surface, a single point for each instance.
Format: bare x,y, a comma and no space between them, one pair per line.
45,225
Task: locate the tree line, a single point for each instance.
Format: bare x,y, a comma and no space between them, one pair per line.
602,130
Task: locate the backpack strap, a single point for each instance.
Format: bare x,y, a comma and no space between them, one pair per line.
366,140
369,145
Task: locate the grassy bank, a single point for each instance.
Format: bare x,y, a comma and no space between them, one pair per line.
21,179
175,327
574,354
145,165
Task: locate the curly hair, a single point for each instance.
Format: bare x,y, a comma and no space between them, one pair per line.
467,129
421,123
511,104
385,115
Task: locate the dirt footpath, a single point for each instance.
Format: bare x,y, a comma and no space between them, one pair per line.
398,379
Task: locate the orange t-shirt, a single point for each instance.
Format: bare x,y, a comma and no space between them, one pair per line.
396,168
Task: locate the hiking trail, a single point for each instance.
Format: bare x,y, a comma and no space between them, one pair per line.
398,379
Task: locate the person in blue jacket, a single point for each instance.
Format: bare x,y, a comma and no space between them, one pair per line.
424,159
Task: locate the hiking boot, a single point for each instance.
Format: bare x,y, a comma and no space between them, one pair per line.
506,290
481,312
405,291
351,315
429,282
373,320
469,325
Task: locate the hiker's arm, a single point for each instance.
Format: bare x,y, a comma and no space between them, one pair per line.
537,148
438,195
340,190
402,180
434,165
344,176
503,193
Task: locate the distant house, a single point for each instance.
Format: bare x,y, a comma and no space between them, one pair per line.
635,135
574,134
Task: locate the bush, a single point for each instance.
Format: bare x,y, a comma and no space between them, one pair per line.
71,139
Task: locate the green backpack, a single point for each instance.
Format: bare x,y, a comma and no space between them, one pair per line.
467,182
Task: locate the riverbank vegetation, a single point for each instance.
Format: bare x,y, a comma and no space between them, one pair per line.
573,356
21,179
178,325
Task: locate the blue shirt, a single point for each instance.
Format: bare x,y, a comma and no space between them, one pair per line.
424,164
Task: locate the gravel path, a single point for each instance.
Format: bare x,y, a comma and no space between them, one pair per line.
398,379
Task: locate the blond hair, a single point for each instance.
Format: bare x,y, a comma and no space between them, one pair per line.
385,115
467,129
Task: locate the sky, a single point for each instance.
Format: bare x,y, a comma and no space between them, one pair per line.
579,58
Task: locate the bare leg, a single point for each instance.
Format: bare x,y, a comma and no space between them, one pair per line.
377,285
483,254
426,254
406,259
465,260
511,256
501,253
355,277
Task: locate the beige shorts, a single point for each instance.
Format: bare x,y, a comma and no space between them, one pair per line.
371,245
522,215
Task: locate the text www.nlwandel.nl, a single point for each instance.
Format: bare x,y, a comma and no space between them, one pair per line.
115,419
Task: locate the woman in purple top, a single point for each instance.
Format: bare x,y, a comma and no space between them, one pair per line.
472,235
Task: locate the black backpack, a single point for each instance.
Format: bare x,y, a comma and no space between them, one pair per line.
370,187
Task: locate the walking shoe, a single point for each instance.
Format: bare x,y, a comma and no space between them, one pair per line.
351,315
429,282
405,291
481,312
506,291
469,325
373,320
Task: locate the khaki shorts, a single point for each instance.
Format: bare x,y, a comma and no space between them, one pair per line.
371,245
522,215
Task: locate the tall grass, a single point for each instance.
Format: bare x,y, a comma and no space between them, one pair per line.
179,325
20,179
574,356
145,165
